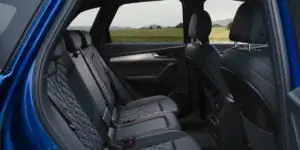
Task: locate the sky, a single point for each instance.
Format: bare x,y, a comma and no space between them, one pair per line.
164,13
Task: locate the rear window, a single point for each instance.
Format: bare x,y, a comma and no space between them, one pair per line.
84,20
155,22
8,13
15,16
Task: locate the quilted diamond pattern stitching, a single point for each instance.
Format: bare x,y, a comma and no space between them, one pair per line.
84,129
162,146
135,113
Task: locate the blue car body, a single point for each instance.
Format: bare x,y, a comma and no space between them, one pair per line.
16,83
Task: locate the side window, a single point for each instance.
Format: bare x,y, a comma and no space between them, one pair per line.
84,20
159,21
221,16
15,16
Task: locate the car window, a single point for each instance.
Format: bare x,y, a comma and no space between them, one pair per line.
148,22
84,20
221,16
15,16
8,13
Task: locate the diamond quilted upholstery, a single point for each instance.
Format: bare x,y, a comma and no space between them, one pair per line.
136,113
65,100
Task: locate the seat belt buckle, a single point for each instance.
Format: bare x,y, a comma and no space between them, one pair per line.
129,144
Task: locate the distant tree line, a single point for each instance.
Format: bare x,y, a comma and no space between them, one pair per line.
180,25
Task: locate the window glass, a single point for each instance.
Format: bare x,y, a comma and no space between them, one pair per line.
8,13
222,13
157,21
15,16
84,20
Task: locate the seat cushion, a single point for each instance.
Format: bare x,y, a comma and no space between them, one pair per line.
147,106
152,123
181,143
168,140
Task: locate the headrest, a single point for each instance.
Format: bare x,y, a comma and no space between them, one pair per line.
86,38
56,54
73,41
59,50
249,24
200,26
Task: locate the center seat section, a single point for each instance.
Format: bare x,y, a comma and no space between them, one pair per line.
125,108
79,122
157,122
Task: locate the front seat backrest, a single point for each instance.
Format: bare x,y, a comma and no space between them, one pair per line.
204,58
249,76
205,61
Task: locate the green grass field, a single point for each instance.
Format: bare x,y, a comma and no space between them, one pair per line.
218,34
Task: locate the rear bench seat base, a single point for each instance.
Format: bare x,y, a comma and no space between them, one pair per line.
146,106
154,123
169,140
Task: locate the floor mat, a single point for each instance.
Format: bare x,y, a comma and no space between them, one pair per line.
197,129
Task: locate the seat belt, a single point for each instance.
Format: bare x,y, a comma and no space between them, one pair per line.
131,91
113,85
107,72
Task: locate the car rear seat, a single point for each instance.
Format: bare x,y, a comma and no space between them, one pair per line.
112,88
155,122
71,96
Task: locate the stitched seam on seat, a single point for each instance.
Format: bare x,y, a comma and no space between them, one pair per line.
159,105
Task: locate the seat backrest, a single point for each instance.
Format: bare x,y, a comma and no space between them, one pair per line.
124,92
95,105
249,76
204,58
70,126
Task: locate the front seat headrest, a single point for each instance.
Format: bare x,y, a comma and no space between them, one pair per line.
200,26
249,24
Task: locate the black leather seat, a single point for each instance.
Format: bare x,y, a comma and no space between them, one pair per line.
124,109
249,75
81,119
205,59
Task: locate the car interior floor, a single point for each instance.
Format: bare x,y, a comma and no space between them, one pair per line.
198,128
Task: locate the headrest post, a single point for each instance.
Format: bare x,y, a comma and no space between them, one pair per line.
198,41
249,46
235,44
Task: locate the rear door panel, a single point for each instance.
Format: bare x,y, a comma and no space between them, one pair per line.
121,49
150,68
